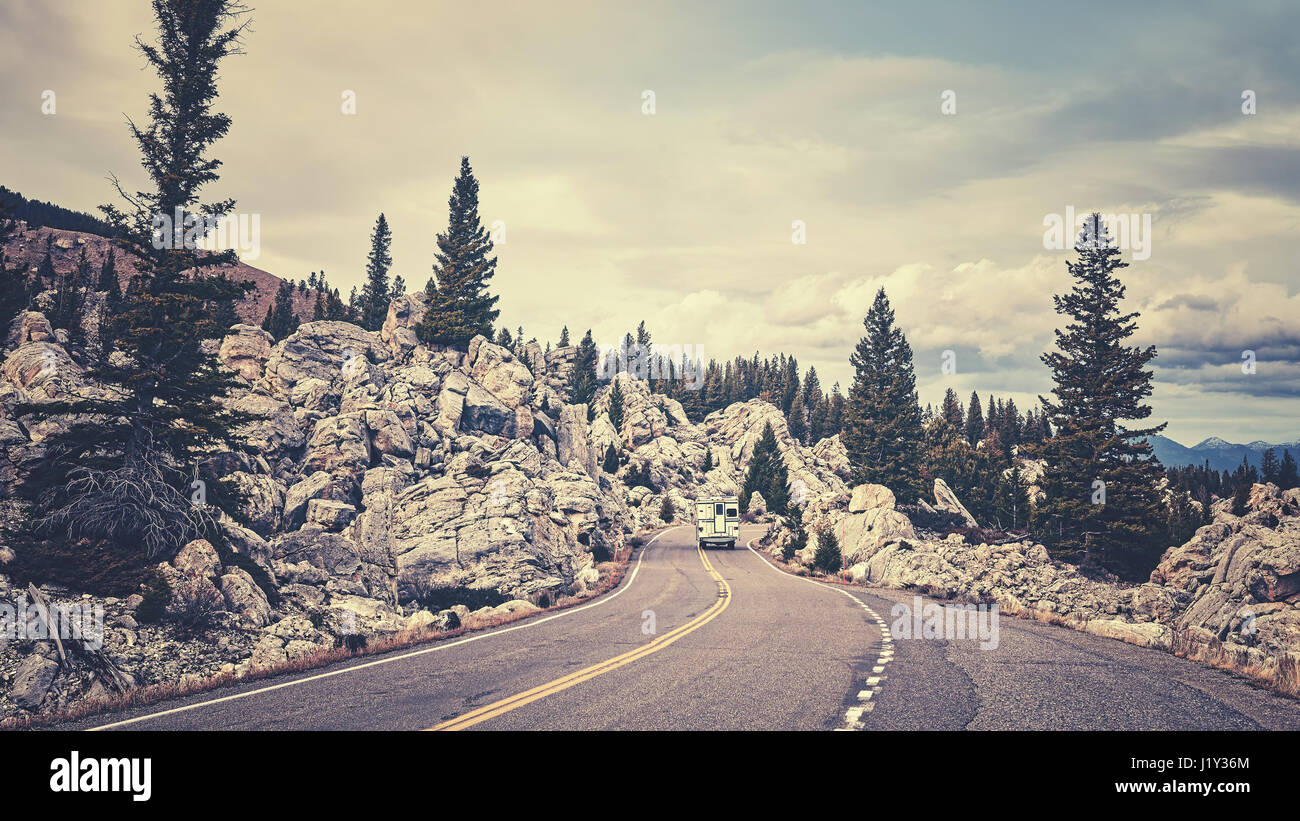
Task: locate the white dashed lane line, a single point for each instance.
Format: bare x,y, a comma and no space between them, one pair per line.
885,654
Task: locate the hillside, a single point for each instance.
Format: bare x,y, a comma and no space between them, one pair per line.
26,248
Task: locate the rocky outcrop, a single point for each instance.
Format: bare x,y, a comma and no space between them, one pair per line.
245,351
871,523
1237,582
946,500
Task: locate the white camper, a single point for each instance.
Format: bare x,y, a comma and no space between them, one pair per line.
717,521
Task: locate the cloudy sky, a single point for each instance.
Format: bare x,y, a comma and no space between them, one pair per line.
831,115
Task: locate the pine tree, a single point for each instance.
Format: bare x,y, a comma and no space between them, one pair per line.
318,306
280,319
797,420
108,278
564,337
45,273
827,557
610,465
667,510
14,294
70,298
767,474
582,381
398,291
974,420
951,409
1268,467
883,418
121,471
459,305
1012,507
1101,476
355,306
616,406
376,293
835,412
1286,472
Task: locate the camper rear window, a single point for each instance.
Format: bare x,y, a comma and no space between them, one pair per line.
717,510
731,511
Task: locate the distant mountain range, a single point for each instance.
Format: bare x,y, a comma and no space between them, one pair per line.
1221,454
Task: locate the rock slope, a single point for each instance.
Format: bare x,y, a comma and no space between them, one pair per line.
378,469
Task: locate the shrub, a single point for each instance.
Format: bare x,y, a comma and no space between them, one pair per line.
638,475
194,606
610,464
827,558
667,510
798,536
1239,499
444,596
157,594
355,642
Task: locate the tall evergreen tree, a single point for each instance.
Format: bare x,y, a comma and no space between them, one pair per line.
974,420
582,380
883,418
616,406
767,475
121,471
459,305
70,298
1286,472
355,306
45,273
1100,481
835,412
564,337
1268,466
280,318
14,293
375,293
108,278
951,409
797,419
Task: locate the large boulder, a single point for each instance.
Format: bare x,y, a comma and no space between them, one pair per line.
573,444
315,486
398,330
484,412
32,680
947,501
244,598
321,350
340,446
499,372
245,350
30,326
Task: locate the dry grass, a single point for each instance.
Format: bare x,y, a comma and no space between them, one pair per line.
611,576
1283,676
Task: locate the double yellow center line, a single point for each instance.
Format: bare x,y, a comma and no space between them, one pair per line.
505,705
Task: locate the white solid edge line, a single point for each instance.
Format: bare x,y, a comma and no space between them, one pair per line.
529,623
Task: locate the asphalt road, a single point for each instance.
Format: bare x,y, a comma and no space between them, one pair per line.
721,640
